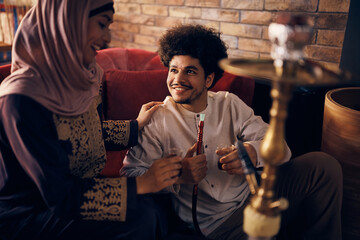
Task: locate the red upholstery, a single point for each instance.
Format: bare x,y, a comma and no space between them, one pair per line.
134,77
137,87
241,86
4,71
131,59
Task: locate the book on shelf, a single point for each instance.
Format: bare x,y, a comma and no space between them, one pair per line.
11,14
7,28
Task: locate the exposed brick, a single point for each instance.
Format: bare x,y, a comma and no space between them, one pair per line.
120,17
124,44
116,43
265,32
167,21
143,1
265,35
140,23
170,3
310,16
207,23
127,8
132,45
157,10
256,17
291,5
236,53
254,45
220,15
140,46
243,4
146,40
126,27
230,41
265,56
331,21
135,18
203,3
324,53
242,30
330,37
313,37
150,48
334,5
152,30
121,36
185,12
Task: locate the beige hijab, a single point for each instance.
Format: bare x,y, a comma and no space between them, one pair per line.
47,58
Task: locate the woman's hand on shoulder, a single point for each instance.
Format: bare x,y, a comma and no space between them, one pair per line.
146,112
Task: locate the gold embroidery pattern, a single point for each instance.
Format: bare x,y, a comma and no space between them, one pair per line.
106,200
84,132
117,132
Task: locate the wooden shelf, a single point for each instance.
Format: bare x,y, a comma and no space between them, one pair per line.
4,47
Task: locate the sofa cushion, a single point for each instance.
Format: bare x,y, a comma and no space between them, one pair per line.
114,161
4,71
243,86
131,59
126,91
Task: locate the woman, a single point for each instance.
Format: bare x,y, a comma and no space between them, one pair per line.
52,144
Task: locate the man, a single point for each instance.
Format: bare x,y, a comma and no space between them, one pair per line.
312,183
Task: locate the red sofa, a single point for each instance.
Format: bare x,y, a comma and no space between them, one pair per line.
133,77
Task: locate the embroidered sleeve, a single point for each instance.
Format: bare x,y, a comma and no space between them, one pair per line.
120,134
47,162
106,200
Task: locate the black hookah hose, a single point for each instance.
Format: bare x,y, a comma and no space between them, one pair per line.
247,165
195,188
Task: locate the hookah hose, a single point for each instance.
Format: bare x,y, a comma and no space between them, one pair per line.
246,163
195,188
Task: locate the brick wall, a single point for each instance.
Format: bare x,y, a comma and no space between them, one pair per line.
244,23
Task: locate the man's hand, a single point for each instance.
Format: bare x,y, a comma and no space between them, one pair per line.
194,168
231,162
146,112
162,173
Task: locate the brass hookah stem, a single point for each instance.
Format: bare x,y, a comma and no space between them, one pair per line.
288,35
273,148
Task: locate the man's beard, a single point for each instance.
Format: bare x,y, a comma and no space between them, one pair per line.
186,101
190,99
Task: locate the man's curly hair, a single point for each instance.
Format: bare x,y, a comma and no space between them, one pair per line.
197,41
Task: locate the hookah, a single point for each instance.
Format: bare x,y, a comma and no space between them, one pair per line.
199,150
287,68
